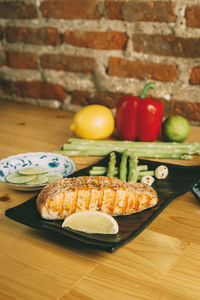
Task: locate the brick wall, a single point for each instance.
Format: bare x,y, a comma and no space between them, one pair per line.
71,53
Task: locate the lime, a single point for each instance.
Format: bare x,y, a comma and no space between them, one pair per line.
92,222
93,122
16,178
33,171
176,128
53,177
38,180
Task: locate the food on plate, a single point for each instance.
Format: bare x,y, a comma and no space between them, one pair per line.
142,170
130,171
38,180
54,177
33,176
32,171
133,173
92,222
111,165
123,165
139,117
93,122
176,128
161,172
147,179
16,178
61,198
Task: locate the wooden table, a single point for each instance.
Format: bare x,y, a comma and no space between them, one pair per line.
163,262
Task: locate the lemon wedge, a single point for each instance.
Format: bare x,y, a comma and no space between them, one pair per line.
92,222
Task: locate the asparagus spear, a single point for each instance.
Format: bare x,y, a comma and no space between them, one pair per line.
98,172
145,173
100,152
142,168
82,147
139,168
123,166
102,168
111,165
133,162
142,149
141,171
145,145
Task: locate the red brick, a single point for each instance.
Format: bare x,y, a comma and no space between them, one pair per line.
80,97
2,61
21,60
192,15
39,90
5,88
145,11
142,70
70,9
37,36
109,40
189,110
1,32
113,10
69,63
167,45
195,75
84,98
17,10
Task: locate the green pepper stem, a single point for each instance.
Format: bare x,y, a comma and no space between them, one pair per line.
150,85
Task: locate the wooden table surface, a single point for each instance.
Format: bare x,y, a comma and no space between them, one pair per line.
163,262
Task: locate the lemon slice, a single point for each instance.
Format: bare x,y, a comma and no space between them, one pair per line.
92,222
53,177
38,180
19,179
33,171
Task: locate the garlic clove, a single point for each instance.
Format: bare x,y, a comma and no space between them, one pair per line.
147,179
161,172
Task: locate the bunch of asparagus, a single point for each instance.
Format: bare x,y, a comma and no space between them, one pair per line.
83,147
129,170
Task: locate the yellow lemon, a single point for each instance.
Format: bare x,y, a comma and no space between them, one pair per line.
93,122
92,222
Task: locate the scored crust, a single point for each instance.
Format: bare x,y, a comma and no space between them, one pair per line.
91,183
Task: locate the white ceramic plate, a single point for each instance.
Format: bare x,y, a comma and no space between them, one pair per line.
54,163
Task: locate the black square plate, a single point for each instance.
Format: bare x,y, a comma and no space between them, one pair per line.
180,180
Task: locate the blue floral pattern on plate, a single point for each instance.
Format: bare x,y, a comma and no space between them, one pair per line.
54,163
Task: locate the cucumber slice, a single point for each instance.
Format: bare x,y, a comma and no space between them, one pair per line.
53,177
19,179
33,171
38,180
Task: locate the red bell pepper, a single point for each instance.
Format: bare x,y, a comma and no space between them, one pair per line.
139,118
